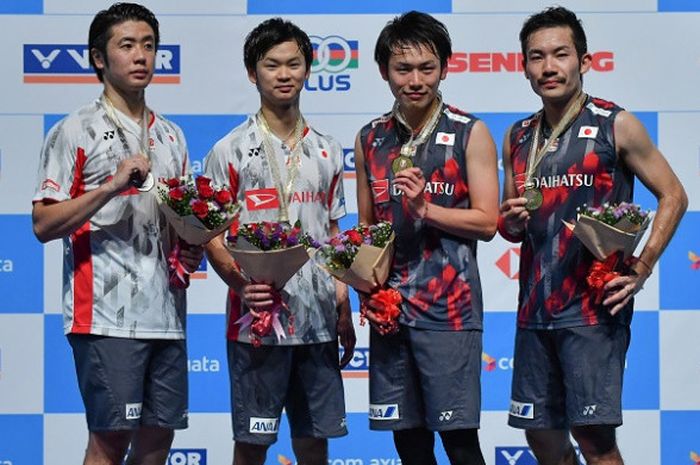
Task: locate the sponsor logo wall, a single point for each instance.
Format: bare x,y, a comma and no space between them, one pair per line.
201,85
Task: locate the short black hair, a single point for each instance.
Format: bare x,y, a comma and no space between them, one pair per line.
101,27
557,16
272,32
413,29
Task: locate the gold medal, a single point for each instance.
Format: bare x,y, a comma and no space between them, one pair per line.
401,163
533,196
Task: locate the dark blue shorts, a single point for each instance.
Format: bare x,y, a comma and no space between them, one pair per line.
303,379
423,378
568,377
129,383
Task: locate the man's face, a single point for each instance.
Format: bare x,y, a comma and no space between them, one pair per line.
280,73
414,75
552,65
131,56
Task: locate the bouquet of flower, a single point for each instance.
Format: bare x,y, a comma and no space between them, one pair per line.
360,256
196,209
611,228
610,232
271,253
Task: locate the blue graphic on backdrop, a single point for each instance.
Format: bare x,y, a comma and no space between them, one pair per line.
275,7
21,439
61,393
640,389
21,266
680,438
678,5
207,365
497,360
22,7
679,269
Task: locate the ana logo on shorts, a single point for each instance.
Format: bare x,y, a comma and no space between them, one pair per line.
383,411
264,425
133,411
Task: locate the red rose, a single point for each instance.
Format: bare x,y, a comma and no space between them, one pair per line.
223,197
176,195
354,237
173,182
202,181
205,191
200,209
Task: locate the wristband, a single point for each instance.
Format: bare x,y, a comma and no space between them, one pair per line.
505,234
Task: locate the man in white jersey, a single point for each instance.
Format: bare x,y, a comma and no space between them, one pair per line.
124,319
283,170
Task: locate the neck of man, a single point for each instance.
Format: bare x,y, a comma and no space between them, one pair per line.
281,119
554,110
418,117
132,104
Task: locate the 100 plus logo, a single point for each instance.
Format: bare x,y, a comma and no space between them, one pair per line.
332,57
70,64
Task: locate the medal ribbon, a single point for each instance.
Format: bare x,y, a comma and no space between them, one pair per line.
111,112
409,148
535,156
283,192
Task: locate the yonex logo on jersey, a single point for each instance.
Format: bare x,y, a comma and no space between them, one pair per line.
70,63
264,425
108,135
589,410
383,411
254,151
588,132
133,411
261,199
522,410
444,138
446,415
380,190
51,184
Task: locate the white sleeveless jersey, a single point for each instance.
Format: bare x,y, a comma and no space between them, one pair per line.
115,270
239,160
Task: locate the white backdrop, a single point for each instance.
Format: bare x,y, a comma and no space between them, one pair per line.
646,58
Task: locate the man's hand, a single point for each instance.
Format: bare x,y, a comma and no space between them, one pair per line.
515,215
346,332
412,183
257,296
191,256
620,290
130,172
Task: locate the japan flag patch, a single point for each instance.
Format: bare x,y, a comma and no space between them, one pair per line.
588,132
445,138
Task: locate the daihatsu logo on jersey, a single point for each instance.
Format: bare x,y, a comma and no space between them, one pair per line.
70,64
512,62
261,199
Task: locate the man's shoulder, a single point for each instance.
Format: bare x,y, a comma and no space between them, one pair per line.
324,139
244,133
602,108
377,122
456,114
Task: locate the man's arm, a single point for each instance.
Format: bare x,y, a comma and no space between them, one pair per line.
59,219
344,327
640,155
365,204
479,220
513,214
